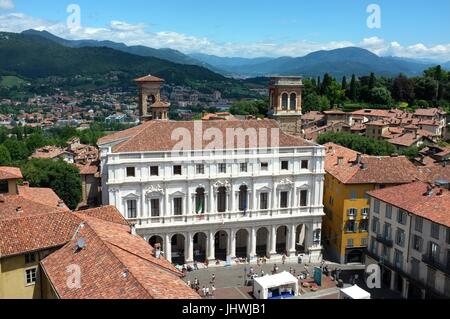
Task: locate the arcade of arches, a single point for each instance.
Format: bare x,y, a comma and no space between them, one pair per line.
223,244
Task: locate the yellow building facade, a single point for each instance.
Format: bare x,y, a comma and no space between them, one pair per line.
349,176
20,276
345,226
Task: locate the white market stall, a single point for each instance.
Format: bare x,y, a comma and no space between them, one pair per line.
278,286
353,292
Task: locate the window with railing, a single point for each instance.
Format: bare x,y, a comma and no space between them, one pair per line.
350,226
364,225
154,206
388,211
418,224
263,201
376,206
200,169
401,217
284,199
375,225
303,198
365,212
400,237
398,259
435,230
352,212
222,168
417,243
387,231
131,208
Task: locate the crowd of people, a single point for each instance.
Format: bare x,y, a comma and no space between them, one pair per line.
206,291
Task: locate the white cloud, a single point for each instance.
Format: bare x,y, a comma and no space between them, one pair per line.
6,4
138,34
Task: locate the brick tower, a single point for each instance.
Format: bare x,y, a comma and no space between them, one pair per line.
150,105
285,103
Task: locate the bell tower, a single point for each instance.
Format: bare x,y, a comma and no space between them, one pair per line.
150,105
285,103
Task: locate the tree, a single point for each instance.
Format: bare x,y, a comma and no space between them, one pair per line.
60,176
358,143
17,149
36,140
403,89
372,81
353,93
315,102
344,83
426,88
5,157
380,96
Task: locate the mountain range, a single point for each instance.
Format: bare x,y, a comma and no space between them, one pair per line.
34,56
93,55
338,62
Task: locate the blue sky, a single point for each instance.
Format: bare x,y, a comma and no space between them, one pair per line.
247,27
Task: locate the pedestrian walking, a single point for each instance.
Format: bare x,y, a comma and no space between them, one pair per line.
213,279
213,290
207,292
189,283
284,259
204,291
195,265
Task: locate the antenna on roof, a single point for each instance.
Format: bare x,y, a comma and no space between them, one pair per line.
81,244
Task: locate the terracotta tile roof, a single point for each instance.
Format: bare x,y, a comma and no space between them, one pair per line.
88,169
48,152
372,112
429,112
36,228
377,123
7,172
149,78
160,135
412,198
44,196
433,172
106,213
407,139
114,265
371,170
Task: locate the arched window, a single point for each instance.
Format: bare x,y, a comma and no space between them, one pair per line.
243,198
200,201
284,101
221,199
293,101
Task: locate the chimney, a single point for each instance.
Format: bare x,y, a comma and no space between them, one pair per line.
358,158
19,209
26,184
440,192
61,204
340,160
133,229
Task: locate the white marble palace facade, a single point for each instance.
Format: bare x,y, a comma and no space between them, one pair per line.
214,207
262,197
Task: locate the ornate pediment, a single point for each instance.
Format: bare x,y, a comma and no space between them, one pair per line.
220,184
154,190
285,183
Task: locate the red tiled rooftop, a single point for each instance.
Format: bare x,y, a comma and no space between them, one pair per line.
114,265
413,198
372,170
157,135
149,78
7,172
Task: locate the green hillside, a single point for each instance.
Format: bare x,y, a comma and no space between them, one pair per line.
33,57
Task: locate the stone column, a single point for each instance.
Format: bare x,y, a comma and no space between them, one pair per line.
252,236
211,249
189,248
273,241
232,244
292,235
142,208
211,198
167,247
166,211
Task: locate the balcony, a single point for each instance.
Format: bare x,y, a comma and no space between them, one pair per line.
226,217
388,242
434,262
